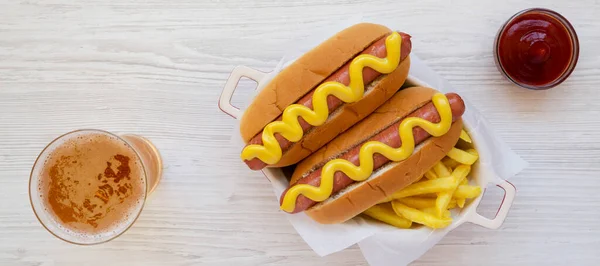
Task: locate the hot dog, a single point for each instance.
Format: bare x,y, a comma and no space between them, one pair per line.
348,197
329,62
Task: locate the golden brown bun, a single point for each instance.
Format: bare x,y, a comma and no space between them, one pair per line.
306,73
347,115
392,177
401,104
384,182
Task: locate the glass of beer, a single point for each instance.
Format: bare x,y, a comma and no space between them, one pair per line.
89,186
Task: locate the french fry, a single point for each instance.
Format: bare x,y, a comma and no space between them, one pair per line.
443,199
465,136
452,204
473,151
430,174
467,192
462,157
418,202
385,213
420,217
450,162
429,186
441,170
432,211
429,200
460,202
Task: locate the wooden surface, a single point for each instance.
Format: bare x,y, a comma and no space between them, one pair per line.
157,67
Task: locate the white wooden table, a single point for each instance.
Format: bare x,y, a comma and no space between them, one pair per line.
156,68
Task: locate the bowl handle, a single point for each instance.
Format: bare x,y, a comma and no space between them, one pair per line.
507,201
230,86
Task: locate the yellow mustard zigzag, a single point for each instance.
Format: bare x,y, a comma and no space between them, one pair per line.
367,150
289,127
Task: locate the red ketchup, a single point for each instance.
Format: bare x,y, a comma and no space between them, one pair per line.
537,49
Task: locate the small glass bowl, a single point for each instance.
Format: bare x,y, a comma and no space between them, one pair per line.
574,43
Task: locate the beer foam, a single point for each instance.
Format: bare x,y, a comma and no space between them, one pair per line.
90,186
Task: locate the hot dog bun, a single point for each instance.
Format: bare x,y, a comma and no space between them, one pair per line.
390,178
305,74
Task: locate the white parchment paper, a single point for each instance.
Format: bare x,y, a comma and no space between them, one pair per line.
496,162
383,245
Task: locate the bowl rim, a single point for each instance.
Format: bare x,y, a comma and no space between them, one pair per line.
467,214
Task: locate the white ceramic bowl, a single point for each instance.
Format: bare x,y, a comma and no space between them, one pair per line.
480,174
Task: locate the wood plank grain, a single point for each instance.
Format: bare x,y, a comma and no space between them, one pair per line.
156,68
